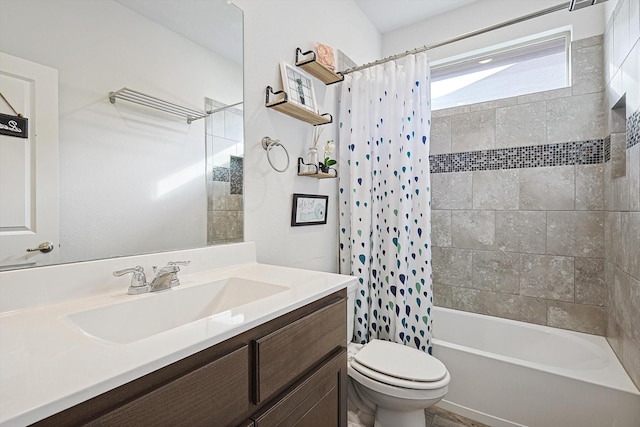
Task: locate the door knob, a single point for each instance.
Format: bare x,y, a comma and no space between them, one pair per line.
43,247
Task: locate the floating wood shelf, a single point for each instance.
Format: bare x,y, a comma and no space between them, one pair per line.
316,173
316,69
284,106
319,175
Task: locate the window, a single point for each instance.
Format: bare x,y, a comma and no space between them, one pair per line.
536,66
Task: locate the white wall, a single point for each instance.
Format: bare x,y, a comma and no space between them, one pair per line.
113,157
586,22
273,29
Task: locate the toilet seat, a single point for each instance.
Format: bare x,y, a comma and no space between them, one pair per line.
399,366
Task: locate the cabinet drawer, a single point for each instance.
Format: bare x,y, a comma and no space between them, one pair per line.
287,353
211,395
315,401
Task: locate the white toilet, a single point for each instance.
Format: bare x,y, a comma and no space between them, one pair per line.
395,381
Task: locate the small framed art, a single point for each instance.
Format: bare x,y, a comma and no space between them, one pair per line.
309,209
299,87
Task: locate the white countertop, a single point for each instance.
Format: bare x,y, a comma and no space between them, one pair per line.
48,365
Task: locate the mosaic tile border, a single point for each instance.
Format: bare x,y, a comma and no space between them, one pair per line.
220,174
235,174
633,129
533,156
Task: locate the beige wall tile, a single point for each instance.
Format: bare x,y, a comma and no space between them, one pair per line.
473,131
492,105
473,229
546,95
613,328
575,233
590,187
620,297
521,231
634,309
496,271
521,125
451,190
522,308
576,118
496,190
587,42
608,187
621,192
614,336
618,154
633,168
545,276
587,69
440,135
442,295
631,358
452,266
609,230
577,317
617,255
549,188
441,228
631,231
589,281
472,300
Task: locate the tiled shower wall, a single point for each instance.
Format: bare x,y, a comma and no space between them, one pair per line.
622,185
518,208
224,137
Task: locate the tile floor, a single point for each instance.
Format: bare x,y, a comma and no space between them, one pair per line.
437,417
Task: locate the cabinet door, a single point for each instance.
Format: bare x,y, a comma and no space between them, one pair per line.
289,352
215,394
319,400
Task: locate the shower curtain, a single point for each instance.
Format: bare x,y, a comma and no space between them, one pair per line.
384,198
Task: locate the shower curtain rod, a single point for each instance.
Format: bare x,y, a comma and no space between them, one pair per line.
570,6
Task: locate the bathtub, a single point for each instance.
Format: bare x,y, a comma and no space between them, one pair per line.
509,373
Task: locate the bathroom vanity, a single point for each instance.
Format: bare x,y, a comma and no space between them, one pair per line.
277,360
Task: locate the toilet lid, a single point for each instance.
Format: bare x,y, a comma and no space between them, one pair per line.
399,361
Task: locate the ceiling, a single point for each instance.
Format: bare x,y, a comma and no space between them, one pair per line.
215,25
389,15
386,15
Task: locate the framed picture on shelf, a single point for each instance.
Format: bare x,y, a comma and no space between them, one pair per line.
299,87
309,209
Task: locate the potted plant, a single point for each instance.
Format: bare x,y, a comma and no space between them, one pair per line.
328,161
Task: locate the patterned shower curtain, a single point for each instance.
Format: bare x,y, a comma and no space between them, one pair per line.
384,197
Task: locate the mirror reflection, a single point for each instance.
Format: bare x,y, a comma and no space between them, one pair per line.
101,179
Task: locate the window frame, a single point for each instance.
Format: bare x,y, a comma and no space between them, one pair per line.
504,48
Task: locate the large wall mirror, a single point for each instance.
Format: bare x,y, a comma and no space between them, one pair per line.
124,178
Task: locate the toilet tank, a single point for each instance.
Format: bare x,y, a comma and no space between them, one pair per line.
351,303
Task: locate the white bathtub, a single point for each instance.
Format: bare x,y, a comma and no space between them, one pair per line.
509,373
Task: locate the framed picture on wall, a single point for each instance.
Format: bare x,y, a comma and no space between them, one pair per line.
299,87
309,209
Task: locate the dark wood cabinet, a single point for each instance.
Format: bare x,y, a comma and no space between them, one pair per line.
289,371
315,401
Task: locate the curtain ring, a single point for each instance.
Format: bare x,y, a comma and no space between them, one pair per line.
268,144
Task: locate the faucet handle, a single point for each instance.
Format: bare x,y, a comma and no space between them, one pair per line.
174,280
178,263
138,279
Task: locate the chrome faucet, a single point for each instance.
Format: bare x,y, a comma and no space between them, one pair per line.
165,278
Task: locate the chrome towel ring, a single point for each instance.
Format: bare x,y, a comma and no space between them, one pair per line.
268,144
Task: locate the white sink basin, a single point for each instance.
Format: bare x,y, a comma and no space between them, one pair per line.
150,314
